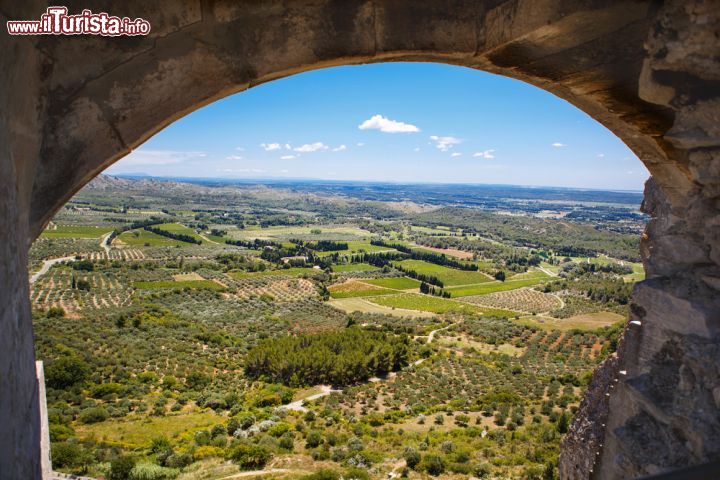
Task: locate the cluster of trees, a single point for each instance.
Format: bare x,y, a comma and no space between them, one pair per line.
432,279
183,237
565,238
437,259
338,358
431,290
256,244
601,288
323,245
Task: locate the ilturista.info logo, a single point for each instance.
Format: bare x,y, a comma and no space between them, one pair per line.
56,21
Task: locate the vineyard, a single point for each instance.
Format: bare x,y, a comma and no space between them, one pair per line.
519,299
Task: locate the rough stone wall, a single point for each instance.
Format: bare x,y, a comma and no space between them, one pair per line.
664,410
20,129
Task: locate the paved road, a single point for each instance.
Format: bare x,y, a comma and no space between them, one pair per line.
432,334
47,265
547,272
104,243
298,404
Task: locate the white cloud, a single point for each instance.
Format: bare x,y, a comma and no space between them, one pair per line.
378,122
600,155
284,170
269,147
311,147
233,157
558,145
360,144
340,148
288,147
485,153
416,149
240,149
455,154
287,157
444,143
159,157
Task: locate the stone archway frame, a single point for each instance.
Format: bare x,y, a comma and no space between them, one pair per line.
646,70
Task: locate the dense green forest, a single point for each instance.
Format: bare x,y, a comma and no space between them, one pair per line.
336,358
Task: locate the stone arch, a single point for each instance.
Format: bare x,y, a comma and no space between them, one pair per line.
644,69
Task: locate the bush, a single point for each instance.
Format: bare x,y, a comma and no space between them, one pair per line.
93,415
207,452
286,441
313,439
160,444
482,470
433,464
356,474
178,461
412,457
67,455
150,471
55,312
324,474
249,456
202,437
66,371
121,467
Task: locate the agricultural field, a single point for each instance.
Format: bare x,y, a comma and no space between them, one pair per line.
353,267
449,276
281,272
181,229
193,358
398,283
74,231
143,238
518,299
493,286
355,288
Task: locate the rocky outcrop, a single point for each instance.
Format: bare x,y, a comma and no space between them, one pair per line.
583,443
665,411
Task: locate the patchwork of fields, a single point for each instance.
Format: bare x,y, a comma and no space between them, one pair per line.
478,375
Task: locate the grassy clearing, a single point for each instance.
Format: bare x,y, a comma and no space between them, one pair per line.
530,274
68,231
287,272
492,287
275,232
139,238
137,432
350,305
398,283
587,321
177,228
356,246
354,267
357,289
449,276
184,277
426,303
207,284
450,252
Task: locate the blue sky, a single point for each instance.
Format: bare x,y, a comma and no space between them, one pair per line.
403,122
